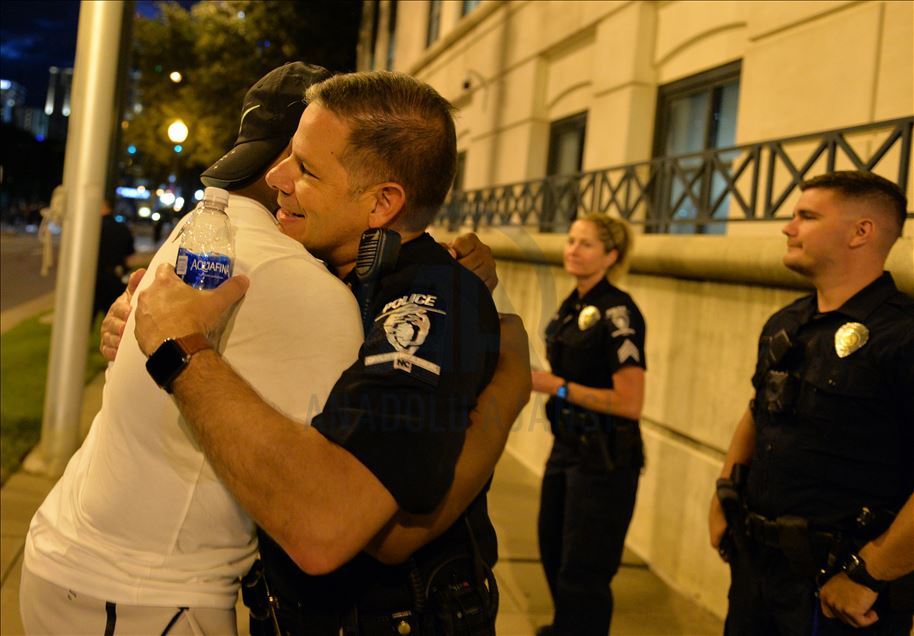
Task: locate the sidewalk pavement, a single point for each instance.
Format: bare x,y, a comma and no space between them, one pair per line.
644,605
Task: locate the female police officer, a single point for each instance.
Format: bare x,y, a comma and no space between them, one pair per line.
595,346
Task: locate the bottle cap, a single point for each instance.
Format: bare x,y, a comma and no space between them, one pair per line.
216,197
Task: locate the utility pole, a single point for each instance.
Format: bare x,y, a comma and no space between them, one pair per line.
85,169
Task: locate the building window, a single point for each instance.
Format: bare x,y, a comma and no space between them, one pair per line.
468,5
566,156
391,34
694,114
434,21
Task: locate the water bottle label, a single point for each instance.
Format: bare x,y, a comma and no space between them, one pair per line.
203,271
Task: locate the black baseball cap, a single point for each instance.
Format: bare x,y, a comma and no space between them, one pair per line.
269,117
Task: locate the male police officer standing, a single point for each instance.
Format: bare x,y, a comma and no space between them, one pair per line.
829,435
373,150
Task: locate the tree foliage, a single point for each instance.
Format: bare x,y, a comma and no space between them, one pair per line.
221,49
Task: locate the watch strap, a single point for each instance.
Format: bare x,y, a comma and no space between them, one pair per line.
193,343
562,391
855,567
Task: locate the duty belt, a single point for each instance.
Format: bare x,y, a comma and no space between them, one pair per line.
806,548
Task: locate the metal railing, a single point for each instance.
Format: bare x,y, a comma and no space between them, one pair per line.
692,193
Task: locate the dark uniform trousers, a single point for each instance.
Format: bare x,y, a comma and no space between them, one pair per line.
834,434
580,559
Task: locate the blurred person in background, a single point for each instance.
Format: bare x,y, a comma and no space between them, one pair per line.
114,248
595,347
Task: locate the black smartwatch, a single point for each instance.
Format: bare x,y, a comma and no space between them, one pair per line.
169,360
855,567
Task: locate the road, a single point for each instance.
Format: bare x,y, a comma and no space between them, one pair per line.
20,270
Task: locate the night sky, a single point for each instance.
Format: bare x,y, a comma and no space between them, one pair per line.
38,34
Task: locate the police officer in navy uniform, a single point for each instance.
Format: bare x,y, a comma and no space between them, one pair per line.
373,150
828,532
402,410
595,346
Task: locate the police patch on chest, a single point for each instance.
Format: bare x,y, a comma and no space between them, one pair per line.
406,324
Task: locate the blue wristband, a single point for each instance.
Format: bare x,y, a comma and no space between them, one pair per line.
562,391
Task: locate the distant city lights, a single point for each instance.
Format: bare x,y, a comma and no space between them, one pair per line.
178,148
144,212
156,216
179,203
131,193
198,195
175,77
131,149
167,198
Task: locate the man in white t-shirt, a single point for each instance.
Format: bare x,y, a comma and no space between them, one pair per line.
139,526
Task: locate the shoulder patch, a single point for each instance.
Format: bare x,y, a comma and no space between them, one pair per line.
399,338
618,315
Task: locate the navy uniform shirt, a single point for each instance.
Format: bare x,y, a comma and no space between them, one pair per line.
835,433
591,338
402,410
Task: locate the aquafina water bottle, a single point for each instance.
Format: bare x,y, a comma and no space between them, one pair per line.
207,250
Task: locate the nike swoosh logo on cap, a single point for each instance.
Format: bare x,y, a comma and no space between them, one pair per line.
245,114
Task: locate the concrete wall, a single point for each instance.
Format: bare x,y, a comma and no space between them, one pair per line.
704,305
514,67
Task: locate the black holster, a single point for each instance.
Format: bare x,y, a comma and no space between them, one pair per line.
599,439
255,593
730,493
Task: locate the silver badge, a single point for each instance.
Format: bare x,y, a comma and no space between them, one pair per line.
850,337
588,317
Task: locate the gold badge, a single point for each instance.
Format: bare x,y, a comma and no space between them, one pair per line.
588,317
850,337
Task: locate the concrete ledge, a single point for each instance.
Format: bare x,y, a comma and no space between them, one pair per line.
747,260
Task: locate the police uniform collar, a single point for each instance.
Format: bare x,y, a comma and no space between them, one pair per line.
410,251
861,305
413,249
595,292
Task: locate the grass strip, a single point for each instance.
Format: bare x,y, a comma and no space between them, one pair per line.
23,372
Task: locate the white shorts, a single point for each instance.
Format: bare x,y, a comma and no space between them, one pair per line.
47,608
